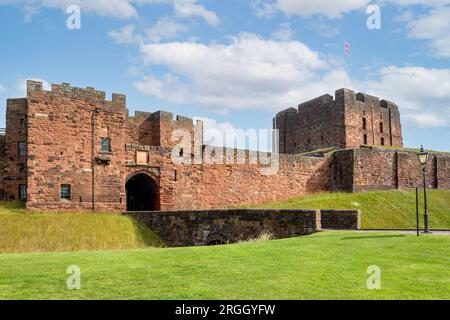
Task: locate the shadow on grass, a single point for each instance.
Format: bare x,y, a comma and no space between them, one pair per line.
374,237
146,235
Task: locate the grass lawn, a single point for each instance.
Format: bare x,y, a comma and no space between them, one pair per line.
380,210
22,231
328,265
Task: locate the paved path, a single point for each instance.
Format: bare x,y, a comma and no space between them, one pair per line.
434,233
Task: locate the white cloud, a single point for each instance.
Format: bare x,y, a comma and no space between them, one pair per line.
165,28
2,88
212,128
255,73
425,120
225,134
263,9
284,32
307,8
247,73
330,9
435,27
323,27
121,9
189,9
422,94
21,87
428,3
126,35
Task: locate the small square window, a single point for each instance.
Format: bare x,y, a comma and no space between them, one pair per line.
65,191
22,192
22,149
106,145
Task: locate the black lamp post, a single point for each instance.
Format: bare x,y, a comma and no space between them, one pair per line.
423,158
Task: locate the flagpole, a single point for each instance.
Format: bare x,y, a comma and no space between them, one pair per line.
347,48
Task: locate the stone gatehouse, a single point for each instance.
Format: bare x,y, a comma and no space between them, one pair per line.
71,149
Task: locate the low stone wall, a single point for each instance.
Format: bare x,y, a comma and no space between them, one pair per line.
198,228
340,219
377,168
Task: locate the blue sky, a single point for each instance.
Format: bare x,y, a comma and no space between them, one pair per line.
235,63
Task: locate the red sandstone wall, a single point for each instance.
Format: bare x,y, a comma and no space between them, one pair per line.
327,122
362,106
13,167
342,168
66,125
410,171
198,228
317,124
443,171
221,186
383,169
61,128
2,167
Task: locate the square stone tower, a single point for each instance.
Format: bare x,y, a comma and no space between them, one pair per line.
347,121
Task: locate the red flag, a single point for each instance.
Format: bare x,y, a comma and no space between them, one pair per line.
347,48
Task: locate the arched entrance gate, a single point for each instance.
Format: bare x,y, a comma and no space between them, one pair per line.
142,193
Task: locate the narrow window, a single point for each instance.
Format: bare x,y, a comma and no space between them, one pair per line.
22,192
364,123
106,145
382,141
381,127
181,153
22,149
366,141
65,192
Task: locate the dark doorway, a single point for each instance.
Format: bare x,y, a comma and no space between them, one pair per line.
142,193
216,243
216,239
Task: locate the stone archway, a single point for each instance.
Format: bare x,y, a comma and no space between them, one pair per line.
216,239
142,193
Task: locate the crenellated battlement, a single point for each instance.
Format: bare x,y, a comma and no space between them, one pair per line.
118,101
347,120
340,96
164,117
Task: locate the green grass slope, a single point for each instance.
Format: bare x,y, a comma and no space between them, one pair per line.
22,231
380,210
328,265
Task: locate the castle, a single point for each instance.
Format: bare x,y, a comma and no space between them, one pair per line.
345,123
71,149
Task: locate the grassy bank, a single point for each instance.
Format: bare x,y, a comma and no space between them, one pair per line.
21,231
329,265
387,209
